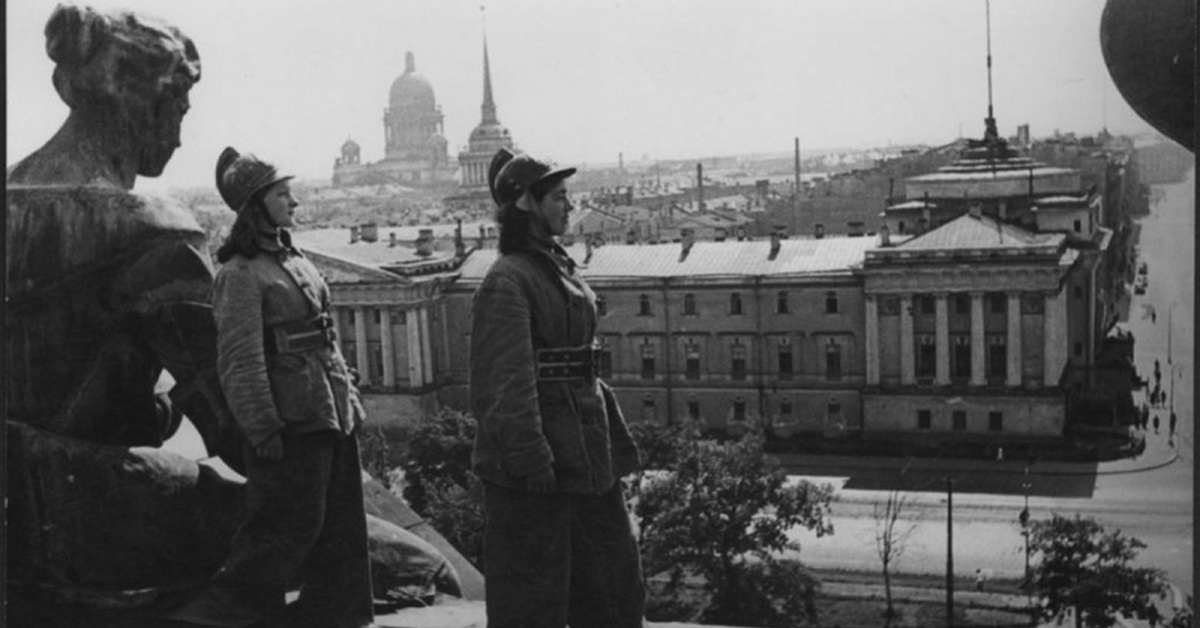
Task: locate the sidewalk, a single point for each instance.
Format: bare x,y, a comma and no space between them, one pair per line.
1157,455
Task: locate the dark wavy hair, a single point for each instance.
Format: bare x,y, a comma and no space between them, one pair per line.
243,236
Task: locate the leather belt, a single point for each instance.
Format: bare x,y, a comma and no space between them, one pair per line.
568,364
300,336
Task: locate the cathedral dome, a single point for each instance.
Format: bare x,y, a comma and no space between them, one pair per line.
411,89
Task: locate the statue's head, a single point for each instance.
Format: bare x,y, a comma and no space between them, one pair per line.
131,71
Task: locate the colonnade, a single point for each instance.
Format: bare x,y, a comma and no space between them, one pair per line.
1054,339
416,326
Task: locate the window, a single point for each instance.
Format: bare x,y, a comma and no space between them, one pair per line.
739,410
649,411
924,420
647,361
961,356
781,302
738,362
378,316
960,420
996,421
692,359
785,407
1078,349
926,356
601,307
352,315
785,359
694,410
833,413
604,360
927,303
1078,226
999,302
831,302
833,360
997,358
735,304
962,304
689,304
644,308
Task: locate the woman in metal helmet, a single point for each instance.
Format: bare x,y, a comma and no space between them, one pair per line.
290,391
551,445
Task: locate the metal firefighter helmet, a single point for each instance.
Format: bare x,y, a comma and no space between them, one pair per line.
510,175
240,176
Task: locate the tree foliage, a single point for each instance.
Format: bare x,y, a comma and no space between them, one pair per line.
1087,570
439,483
723,513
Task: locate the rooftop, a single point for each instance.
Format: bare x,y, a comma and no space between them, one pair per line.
831,256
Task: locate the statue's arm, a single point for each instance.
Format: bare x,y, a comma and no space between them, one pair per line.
170,288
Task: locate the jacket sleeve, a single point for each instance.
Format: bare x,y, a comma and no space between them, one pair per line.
241,359
504,378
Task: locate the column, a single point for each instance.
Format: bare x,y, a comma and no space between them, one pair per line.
389,352
942,320
426,350
1054,337
1013,341
360,345
872,340
907,363
416,375
978,374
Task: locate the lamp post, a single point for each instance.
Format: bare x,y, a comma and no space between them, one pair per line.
949,552
1027,584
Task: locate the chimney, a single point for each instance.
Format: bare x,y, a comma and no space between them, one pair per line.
818,231
631,236
885,235
742,233
369,232
699,187
776,244
460,249
587,248
354,234
425,242
391,239
687,237
976,210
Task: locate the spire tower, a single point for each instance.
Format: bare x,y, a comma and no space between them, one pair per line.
489,105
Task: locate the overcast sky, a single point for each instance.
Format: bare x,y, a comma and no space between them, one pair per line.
579,82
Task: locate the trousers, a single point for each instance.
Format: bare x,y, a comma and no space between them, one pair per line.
558,559
304,526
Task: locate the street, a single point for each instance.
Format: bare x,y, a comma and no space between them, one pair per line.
1153,504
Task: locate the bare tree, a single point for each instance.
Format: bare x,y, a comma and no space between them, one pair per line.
891,535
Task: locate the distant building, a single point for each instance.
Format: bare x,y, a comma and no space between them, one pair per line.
486,139
415,151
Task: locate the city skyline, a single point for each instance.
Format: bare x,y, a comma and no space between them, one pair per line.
585,82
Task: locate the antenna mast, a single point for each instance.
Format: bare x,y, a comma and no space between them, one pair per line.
990,132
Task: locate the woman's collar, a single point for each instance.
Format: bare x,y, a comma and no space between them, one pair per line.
274,240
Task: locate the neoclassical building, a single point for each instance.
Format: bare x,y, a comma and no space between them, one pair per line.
415,147
981,327
969,328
